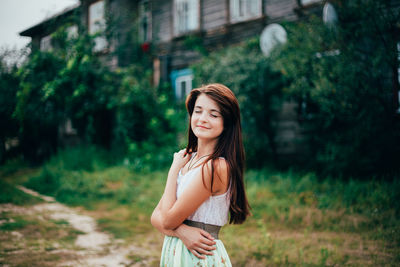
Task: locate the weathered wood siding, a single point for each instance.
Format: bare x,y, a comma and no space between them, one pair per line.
278,10
124,14
214,13
162,20
216,29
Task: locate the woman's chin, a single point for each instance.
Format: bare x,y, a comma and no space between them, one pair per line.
206,137
201,136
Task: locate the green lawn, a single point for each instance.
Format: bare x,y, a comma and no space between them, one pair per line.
297,219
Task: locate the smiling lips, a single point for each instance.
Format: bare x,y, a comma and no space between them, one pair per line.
202,127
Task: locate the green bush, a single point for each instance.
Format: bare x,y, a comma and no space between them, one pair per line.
343,79
71,175
115,108
10,194
87,175
8,89
147,123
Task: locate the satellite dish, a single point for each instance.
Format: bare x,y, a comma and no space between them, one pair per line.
271,36
329,14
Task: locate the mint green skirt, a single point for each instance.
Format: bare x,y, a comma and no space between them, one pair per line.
175,254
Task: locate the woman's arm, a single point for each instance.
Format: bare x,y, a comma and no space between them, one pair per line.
170,212
156,221
175,211
196,240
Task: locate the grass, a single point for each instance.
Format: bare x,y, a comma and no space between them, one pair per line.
9,194
27,240
298,219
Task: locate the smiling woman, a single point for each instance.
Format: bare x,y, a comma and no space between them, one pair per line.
194,205
206,120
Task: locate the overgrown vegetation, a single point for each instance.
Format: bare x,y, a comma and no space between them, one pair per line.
9,194
116,108
297,219
345,77
347,111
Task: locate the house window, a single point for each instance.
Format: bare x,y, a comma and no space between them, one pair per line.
182,82
97,25
308,2
72,32
45,43
244,9
329,15
183,86
186,16
144,21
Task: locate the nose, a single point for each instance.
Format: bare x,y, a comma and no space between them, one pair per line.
203,116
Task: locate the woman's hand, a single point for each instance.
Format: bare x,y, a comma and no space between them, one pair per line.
196,240
180,159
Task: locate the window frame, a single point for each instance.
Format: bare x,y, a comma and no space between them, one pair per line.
45,43
177,77
72,31
309,2
188,79
145,14
179,32
233,18
100,41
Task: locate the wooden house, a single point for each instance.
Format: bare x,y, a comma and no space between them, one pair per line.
166,24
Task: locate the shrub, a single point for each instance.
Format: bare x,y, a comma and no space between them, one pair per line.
345,79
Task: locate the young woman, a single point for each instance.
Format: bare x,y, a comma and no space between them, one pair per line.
205,182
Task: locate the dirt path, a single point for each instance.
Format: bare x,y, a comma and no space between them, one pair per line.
94,248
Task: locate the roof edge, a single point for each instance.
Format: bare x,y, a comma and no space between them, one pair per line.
29,32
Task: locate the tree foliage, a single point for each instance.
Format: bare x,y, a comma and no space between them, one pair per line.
8,89
346,79
114,107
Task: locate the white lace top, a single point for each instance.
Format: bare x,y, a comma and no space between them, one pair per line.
212,211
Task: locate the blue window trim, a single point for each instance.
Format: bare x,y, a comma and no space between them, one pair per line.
178,73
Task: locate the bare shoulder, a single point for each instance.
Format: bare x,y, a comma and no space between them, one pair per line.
221,177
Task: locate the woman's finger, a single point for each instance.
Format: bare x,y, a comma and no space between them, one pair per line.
197,254
207,248
207,241
206,235
203,251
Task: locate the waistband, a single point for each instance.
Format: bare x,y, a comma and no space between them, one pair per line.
210,228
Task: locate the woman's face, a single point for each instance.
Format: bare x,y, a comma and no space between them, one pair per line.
207,121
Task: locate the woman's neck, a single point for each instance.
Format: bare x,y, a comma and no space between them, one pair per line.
205,147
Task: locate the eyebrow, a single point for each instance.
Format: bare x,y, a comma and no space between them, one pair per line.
210,109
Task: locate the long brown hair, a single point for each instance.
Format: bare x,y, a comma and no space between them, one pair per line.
229,145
